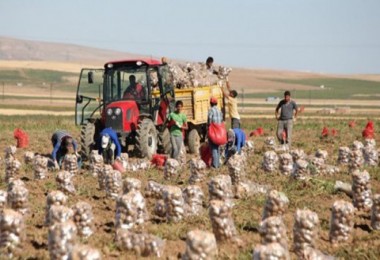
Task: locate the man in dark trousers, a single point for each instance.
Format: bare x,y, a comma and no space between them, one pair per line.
63,143
285,119
109,146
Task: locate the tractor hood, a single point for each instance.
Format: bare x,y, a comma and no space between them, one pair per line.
122,116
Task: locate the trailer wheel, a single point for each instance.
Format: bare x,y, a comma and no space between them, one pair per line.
146,139
194,141
165,145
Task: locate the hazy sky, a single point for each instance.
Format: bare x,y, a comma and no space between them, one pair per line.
336,36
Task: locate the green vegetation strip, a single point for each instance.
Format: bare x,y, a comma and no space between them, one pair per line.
307,105
35,75
45,123
46,108
34,97
334,88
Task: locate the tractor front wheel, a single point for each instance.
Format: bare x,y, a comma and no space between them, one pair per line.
146,139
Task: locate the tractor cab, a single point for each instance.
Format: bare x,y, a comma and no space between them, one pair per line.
126,96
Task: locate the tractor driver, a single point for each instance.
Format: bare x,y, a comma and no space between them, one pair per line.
134,90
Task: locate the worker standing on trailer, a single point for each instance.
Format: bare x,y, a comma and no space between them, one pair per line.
63,143
177,123
210,67
231,96
109,147
285,119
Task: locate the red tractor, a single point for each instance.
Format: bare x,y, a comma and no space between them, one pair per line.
134,97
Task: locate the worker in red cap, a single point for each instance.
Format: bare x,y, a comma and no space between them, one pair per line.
214,116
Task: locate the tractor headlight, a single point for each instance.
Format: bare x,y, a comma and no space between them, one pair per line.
117,111
109,111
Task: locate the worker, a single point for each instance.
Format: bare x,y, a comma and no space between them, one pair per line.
209,65
231,96
63,143
164,60
134,90
177,123
285,119
109,147
235,142
214,116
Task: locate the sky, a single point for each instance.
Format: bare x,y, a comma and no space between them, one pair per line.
324,36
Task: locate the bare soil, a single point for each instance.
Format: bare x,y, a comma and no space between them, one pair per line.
316,194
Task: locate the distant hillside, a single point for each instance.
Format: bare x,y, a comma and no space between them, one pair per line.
18,54
15,49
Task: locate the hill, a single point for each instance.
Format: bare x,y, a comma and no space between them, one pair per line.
27,54
25,50
36,73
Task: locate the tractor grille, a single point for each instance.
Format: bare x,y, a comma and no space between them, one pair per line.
115,122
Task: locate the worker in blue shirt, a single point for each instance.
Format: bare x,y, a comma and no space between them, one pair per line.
235,142
63,143
109,147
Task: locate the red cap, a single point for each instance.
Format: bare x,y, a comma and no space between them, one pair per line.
213,100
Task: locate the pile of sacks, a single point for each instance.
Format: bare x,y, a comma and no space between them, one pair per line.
64,182
344,155
276,204
223,225
371,155
197,170
286,163
61,239
174,203
130,210
12,165
342,221
83,218
196,75
172,167
270,161
305,231
193,199
96,163
40,167
361,190
114,184
375,214
18,196
356,156
200,245
11,230
57,198
143,244
70,164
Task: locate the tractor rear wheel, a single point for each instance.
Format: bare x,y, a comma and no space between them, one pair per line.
194,141
165,145
87,135
146,139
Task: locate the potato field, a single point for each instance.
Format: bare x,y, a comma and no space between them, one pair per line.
267,202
